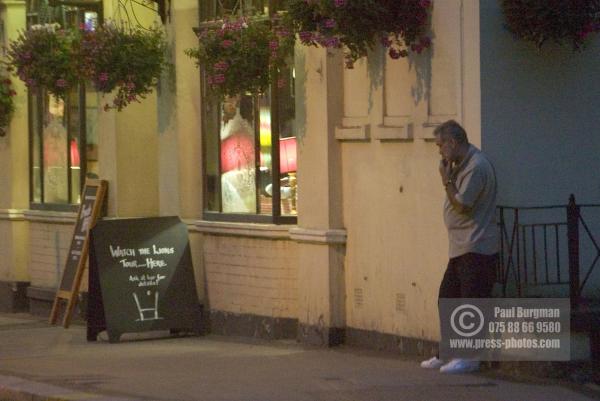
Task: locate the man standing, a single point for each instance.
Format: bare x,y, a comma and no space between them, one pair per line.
469,214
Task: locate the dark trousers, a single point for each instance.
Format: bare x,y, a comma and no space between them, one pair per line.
471,275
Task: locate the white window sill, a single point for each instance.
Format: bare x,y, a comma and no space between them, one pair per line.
47,216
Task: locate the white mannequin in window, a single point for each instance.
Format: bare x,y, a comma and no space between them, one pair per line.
238,184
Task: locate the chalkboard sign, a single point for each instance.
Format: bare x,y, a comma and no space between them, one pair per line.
92,198
141,278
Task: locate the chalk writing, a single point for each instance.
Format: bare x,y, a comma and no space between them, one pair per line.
119,253
155,263
86,216
153,309
146,280
160,251
130,263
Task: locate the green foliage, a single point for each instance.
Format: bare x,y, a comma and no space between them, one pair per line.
560,21
42,57
7,105
358,25
242,55
129,61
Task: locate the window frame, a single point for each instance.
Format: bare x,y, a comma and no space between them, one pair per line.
32,17
208,16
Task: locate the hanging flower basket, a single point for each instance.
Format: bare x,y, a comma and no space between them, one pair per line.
129,61
358,25
243,55
560,21
7,105
42,57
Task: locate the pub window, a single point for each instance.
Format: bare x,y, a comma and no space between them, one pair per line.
63,140
249,141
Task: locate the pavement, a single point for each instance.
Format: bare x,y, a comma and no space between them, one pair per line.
39,362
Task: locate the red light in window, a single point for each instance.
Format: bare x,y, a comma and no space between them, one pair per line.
75,160
287,154
237,152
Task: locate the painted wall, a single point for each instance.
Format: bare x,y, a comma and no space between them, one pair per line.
393,197
128,142
180,155
14,169
540,124
539,116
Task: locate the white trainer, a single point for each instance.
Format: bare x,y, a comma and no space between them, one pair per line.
458,365
432,363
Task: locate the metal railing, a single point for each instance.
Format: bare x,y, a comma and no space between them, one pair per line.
542,247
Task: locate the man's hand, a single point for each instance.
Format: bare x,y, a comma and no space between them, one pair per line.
445,171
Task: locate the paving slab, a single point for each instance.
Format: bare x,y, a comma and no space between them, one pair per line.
48,363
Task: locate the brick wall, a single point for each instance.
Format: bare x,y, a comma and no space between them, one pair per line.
251,275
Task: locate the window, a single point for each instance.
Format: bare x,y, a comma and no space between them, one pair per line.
249,142
63,142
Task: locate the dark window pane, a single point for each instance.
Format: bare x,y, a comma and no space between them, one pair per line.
90,142
211,157
75,137
36,151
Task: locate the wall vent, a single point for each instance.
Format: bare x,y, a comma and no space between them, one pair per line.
358,297
400,302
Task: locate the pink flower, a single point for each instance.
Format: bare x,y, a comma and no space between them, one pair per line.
219,79
273,45
329,23
425,3
103,77
61,83
306,36
283,33
332,42
221,65
227,43
340,3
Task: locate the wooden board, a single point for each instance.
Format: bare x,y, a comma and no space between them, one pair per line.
92,199
141,278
